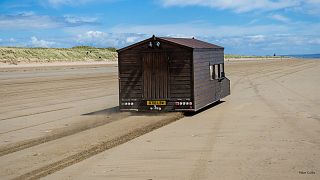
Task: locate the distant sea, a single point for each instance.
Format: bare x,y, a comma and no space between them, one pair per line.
305,56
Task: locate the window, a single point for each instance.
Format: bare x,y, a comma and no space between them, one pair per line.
216,71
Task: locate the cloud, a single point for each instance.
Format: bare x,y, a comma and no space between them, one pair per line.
277,43
35,42
30,20
77,20
240,39
191,29
240,6
280,18
94,35
237,6
132,39
12,40
311,7
103,39
257,38
258,44
58,3
315,41
26,21
96,38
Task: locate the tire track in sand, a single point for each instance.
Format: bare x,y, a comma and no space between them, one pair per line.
278,111
199,172
113,116
102,146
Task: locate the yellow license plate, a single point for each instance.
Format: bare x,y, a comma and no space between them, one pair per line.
151,103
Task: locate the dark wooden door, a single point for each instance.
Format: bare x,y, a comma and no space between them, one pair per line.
155,75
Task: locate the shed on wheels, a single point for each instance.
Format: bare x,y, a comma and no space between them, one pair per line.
171,74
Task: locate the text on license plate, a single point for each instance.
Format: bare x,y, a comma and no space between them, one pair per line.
163,103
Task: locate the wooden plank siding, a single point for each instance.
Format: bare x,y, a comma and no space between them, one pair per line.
179,73
130,75
155,75
171,69
205,89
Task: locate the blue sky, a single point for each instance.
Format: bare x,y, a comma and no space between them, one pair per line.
242,26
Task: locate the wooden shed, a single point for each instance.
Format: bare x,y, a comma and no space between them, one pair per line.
171,74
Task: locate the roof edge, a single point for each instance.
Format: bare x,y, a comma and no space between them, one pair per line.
134,44
168,41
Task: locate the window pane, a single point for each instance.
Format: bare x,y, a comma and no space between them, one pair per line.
216,71
211,72
221,70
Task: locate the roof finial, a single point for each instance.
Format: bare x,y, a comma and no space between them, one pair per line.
192,37
153,37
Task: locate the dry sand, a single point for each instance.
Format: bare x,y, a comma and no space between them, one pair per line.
59,64
54,116
268,128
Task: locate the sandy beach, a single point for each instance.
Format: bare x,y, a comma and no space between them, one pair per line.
60,122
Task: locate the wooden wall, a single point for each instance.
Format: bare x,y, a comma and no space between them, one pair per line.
206,91
130,75
188,74
179,72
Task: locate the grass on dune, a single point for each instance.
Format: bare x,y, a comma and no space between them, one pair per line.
14,55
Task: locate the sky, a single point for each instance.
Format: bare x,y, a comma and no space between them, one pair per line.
248,27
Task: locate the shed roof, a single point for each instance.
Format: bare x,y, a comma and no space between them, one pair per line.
186,42
191,42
